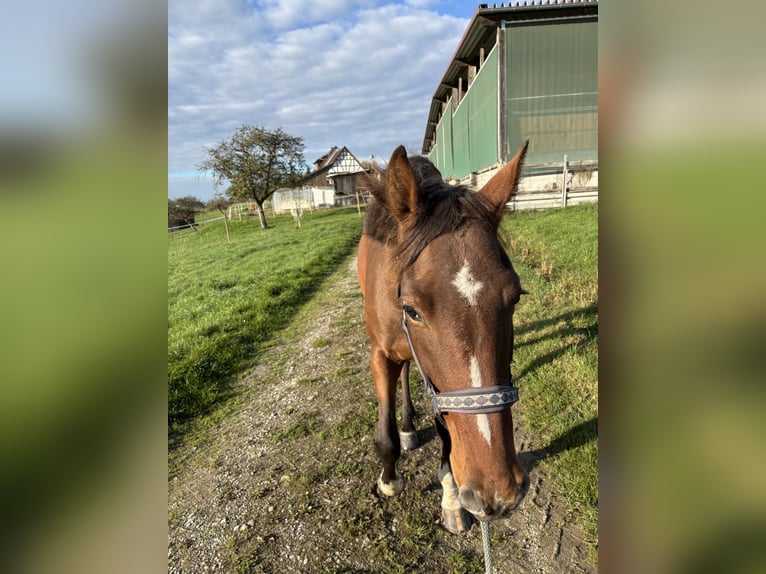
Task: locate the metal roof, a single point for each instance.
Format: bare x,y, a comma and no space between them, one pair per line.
481,33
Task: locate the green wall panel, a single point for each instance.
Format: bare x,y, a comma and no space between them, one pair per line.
466,141
444,141
551,99
552,90
433,155
483,115
461,145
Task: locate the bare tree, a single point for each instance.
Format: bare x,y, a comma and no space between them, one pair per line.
256,162
220,203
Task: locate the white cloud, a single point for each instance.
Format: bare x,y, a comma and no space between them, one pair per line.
335,72
285,14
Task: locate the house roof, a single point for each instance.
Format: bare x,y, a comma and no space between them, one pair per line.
481,33
328,158
337,161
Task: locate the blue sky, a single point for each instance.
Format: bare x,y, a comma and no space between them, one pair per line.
335,72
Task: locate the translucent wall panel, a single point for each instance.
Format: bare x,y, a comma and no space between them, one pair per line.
461,145
466,141
433,155
483,115
444,142
552,90
474,124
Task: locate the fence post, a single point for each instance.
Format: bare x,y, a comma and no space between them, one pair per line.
564,186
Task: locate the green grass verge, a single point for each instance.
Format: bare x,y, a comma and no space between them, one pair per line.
555,252
226,299
207,215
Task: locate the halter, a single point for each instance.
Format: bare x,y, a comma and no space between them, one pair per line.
470,401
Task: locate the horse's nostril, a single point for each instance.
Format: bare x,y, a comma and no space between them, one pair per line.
468,499
473,503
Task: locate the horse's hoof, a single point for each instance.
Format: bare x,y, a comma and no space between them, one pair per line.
391,488
409,440
456,521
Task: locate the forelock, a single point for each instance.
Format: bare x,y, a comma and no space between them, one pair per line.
442,208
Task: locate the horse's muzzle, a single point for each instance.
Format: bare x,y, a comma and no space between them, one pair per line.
492,507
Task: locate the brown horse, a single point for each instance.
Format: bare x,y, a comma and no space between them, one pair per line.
440,290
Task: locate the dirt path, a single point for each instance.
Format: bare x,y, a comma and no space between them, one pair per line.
286,481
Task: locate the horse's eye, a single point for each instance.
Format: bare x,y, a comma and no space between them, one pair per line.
413,314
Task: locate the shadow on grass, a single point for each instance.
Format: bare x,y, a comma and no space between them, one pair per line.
578,435
426,435
591,332
584,335
590,310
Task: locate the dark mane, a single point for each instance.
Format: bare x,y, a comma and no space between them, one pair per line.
443,209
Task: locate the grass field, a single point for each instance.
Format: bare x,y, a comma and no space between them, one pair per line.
225,299
555,252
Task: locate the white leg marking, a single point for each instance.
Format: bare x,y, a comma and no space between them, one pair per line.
392,489
455,518
449,493
481,420
467,285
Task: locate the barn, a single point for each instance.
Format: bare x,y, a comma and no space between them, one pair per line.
522,71
334,182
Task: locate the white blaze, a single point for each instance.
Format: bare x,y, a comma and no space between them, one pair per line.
466,284
481,420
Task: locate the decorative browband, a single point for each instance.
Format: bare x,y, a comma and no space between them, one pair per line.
476,400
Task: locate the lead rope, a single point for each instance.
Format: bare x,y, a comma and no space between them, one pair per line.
432,393
487,549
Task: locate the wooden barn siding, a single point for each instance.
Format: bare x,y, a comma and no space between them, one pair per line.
318,181
346,184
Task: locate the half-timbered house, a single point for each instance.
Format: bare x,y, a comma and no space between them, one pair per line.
335,181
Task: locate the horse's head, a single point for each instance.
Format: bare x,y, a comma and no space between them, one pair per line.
458,291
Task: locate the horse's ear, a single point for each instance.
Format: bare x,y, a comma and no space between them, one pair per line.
503,184
401,187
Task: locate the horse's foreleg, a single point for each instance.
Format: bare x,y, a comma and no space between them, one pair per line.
408,434
455,518
387,445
